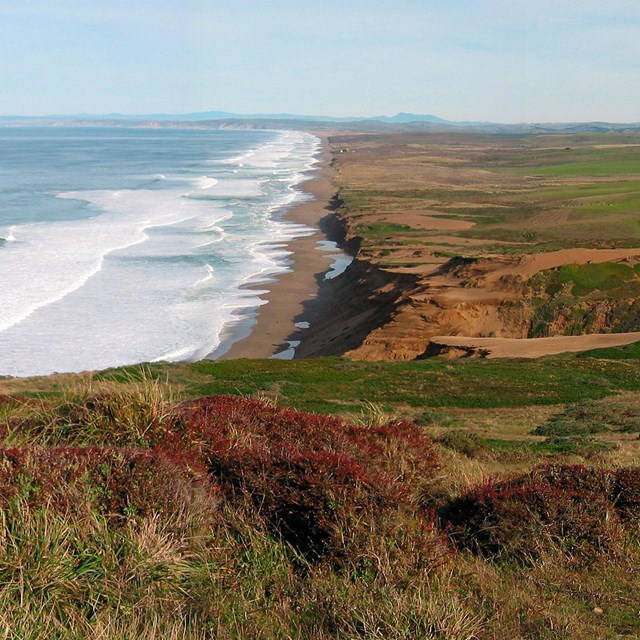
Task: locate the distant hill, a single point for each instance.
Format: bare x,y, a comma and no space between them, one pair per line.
223,119
226,115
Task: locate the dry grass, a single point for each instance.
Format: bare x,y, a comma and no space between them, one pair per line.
212,566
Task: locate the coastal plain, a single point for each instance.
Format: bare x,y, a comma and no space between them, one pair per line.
481,236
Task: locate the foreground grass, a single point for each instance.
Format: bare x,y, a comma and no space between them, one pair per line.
127,513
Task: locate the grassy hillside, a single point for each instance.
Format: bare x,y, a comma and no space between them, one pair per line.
434,499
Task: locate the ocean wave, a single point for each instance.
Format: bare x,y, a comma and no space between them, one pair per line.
210,275
55,259
134,281
8,235
269,154
205,182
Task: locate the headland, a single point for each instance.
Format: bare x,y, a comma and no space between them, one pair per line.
482,236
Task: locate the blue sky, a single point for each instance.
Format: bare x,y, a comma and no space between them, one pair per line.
498,60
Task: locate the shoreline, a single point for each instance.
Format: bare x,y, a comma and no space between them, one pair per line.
266,330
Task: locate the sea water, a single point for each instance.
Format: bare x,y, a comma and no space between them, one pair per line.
120,246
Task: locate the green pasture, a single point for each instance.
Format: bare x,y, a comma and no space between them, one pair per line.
332,385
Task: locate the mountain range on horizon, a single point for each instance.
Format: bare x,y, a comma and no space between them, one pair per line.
401,117
401,121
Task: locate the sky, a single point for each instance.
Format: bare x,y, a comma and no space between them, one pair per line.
495,60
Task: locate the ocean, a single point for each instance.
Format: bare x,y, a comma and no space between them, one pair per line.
120,246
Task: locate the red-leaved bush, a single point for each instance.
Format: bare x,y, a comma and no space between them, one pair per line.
118,483
577,508
626,493
620,486
304,473
310,478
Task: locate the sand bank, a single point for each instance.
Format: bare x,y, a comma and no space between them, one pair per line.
533,347
288,295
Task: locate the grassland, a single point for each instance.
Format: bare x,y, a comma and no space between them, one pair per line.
536,193
333,385
134,508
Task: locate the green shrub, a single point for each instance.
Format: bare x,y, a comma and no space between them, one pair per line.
468,444
594,416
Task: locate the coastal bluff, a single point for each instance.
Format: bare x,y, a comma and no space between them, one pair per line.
488,240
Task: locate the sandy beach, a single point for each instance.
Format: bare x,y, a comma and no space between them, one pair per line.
276,320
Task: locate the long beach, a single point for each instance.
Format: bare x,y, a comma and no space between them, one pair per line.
276,320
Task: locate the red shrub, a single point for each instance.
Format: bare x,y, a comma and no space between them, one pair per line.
521,518
231,418
113,482
578,507
626,493
574,477
305,473
619,486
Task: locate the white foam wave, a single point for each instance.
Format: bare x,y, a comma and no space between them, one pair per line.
271,154
129,284
207,278
9,235
205,182
230,188
54,259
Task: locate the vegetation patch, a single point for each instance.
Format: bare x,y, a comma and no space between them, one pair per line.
592,416
625,352
305,473
464,442
579,299
116,483
587,278
574,508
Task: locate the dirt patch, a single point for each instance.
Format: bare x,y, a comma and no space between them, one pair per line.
422,221
528,347
530,265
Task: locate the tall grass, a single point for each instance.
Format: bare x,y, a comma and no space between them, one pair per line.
125,515
125,413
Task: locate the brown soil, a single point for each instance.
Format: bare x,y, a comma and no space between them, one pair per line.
425,221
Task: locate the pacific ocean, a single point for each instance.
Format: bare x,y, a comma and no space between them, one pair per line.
120,246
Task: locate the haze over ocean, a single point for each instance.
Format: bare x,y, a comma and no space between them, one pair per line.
130,245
